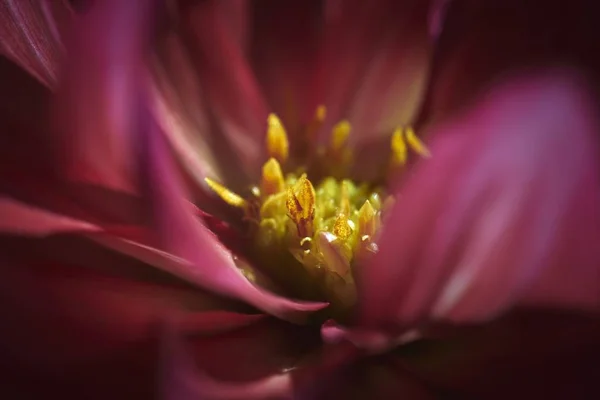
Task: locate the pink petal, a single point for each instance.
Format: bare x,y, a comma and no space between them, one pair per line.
505,212
18,218
374,55
30,35
391,89
181,111
481,40
99,98
181,233
232,91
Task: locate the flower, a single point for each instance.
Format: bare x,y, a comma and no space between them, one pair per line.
110,272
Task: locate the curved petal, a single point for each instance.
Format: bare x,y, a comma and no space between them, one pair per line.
182,234
69,321
98,102
372,63
18,218
506,211
30,35
231,89
509,35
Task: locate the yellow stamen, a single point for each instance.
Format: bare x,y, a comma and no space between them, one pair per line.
277,140
345,198
416,144
399,149
300,204
227,195
272,178
315,124
341,227
368,220
339,136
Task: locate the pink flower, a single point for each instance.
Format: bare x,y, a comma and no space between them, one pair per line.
125,276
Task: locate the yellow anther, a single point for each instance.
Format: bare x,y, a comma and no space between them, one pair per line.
368,220
227,195
399,149
300,204
341,228
416,144
277,140
272,178
320,113
339,135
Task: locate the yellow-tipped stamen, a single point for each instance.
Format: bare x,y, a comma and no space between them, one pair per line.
368,221
314,125
277,140
345,198
399,149
341,227
339,136
272,178
227,195
300,204
327,230
416,144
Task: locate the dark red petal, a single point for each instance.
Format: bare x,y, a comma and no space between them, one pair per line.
82,319
528,355
482,40
30,34
505,212
284,45
249,363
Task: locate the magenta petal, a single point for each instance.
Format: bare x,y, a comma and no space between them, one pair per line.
182,234
231,88
21,219
30,35
506,211
99,97
393,84
372,63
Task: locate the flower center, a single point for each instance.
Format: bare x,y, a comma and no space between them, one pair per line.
312,232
